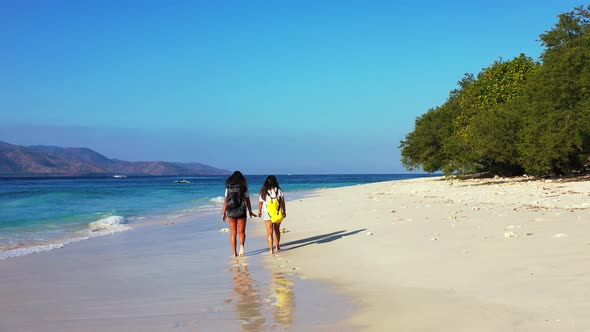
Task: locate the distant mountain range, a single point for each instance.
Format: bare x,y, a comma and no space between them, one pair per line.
39,160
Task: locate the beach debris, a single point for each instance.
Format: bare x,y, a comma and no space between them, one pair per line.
369,233
529,234
510,234
284,230
559,235
475,208
224,230
393,211
513,226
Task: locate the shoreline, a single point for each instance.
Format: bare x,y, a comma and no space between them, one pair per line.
437,255
107,227
166,275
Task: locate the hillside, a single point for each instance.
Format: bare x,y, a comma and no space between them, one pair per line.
38,160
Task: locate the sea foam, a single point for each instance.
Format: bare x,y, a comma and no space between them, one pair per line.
217,200
105,226
110,224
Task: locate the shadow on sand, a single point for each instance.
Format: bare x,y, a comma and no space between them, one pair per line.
318,239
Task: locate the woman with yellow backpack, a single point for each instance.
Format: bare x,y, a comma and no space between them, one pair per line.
272,208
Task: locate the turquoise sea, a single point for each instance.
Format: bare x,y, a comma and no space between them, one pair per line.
41,214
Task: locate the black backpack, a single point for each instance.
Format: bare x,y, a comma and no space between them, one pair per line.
235,202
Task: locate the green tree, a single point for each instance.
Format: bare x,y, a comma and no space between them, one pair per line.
423,147
497,84
556,133
486,127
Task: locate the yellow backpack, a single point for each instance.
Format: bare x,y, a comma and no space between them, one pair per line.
274,207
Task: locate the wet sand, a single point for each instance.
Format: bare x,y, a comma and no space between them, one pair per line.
161,277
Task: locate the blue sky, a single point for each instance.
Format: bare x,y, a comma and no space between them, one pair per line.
267,87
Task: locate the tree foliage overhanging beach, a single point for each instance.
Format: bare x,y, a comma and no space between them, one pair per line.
515,117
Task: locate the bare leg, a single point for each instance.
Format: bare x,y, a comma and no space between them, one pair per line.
277,231
233,226
242,233
268,224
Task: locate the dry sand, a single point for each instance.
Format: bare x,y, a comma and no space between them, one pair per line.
435,255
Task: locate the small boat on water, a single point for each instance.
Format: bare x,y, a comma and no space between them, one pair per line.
183,181
119,176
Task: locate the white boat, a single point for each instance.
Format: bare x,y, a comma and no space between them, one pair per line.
182,181
120,176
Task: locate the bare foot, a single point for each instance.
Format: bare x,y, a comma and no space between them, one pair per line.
271,252
241,250
278,249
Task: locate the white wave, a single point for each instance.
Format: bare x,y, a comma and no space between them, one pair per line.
217,200
38,248
110,224
101,227
29,250
134,218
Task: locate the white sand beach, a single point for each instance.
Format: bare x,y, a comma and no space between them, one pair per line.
433,255
416,255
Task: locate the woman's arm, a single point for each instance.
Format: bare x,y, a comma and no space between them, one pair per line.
284,206
260,208
249,204
224,215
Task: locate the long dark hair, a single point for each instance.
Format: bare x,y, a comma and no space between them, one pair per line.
270,182
237,178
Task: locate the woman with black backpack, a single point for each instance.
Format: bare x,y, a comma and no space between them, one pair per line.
237,200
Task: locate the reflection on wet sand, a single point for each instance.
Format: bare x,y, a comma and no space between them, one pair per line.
285,299
251,309
248,304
